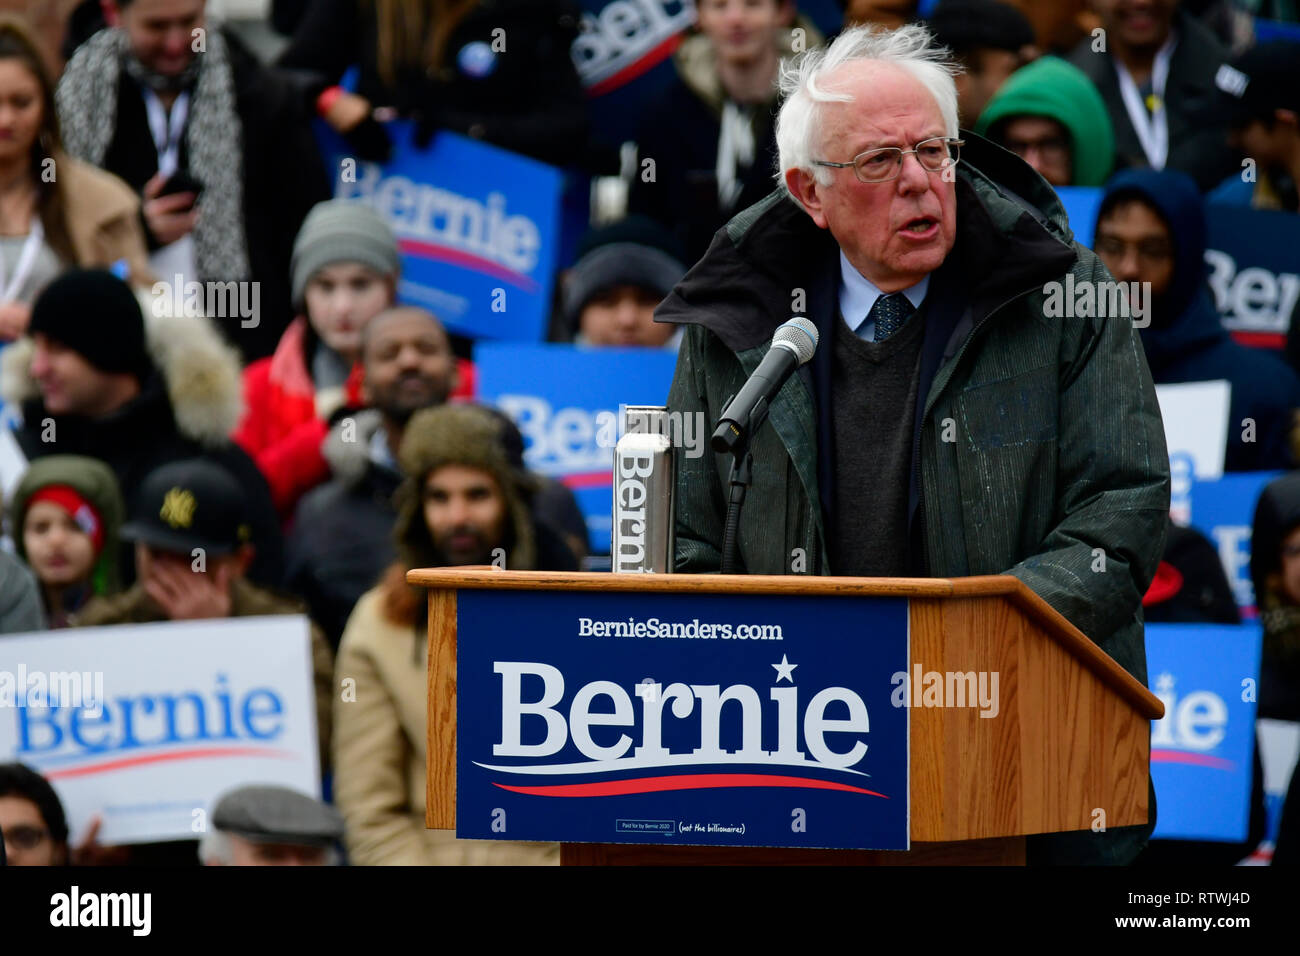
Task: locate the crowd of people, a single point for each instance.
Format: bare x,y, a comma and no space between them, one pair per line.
316,450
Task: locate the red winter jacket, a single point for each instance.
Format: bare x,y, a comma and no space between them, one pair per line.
280,429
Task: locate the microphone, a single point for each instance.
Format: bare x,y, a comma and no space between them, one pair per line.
793,345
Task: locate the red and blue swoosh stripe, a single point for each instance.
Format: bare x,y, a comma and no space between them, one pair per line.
137,760
688,781
468,260
1195,759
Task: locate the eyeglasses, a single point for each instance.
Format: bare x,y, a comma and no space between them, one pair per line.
24,837
881,165
1054,149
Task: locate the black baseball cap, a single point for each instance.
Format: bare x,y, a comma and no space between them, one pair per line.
189,504
1262,79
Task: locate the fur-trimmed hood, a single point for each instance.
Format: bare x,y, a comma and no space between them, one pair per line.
468,435
200,370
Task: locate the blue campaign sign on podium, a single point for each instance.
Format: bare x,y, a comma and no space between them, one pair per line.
478,227
1202,749
714,719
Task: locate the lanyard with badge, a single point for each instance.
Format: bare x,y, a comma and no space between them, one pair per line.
167,130
1152,128
177,258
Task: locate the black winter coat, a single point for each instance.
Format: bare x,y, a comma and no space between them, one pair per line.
1198,138
341,540
680,133
142,436
340,544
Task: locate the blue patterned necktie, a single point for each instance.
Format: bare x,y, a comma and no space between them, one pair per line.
889,313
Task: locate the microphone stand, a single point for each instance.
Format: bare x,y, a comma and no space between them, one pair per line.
729,438
741,477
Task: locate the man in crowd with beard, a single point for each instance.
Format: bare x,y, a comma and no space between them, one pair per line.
342,531
475,498
466,500
342,536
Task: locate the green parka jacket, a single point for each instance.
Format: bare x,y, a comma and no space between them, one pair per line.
1038,450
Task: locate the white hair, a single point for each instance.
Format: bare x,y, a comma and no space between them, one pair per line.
910,47
215,850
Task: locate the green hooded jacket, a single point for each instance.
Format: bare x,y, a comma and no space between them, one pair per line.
1039,441
95,482
1053,88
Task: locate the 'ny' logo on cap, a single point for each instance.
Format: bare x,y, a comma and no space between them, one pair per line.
178,508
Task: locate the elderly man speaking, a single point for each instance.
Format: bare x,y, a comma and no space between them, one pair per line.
947,425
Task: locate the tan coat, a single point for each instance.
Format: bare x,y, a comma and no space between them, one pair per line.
379,753
103,218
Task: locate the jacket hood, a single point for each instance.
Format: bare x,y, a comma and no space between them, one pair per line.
200,371
774,246
94,481
469,435
290,359
1277,514
1055,89
1195,330
696,61
1175,197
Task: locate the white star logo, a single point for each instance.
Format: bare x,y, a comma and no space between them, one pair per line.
784,669
1165,683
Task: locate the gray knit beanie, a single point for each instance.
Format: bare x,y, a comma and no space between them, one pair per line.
341,230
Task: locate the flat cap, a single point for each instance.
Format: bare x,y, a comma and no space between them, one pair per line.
265,814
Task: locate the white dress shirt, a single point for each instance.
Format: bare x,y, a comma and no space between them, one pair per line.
858,294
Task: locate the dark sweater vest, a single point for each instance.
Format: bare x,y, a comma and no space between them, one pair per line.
873,401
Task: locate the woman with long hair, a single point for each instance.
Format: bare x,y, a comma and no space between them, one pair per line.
42,231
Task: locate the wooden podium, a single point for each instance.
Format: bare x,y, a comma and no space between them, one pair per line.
1072,738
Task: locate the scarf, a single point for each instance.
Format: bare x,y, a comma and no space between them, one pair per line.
87,103
159,82
735,151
